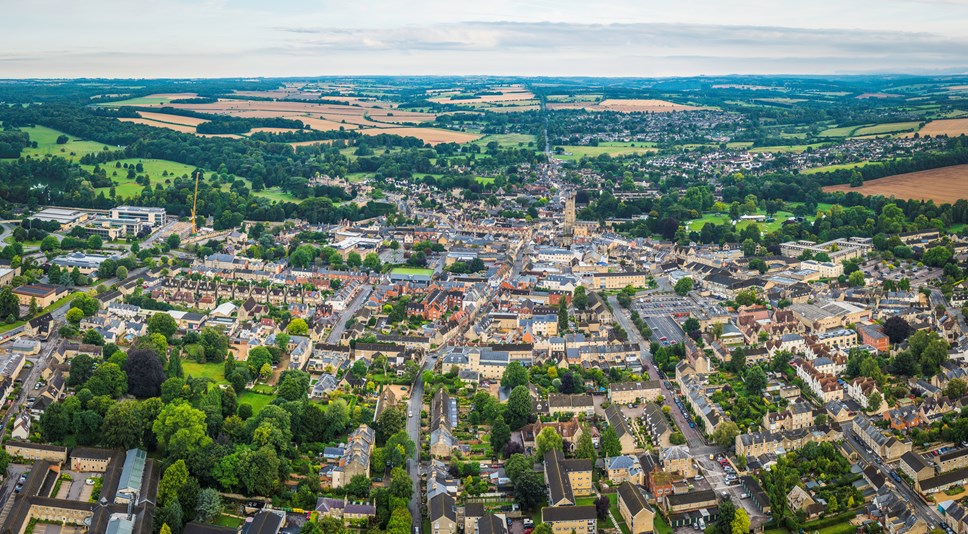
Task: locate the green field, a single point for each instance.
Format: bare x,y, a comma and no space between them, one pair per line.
412,270
153,168
573,152
840,166
484,180
888,128
512,139
213,371
780,217
46,139
277,194
140,101
257,400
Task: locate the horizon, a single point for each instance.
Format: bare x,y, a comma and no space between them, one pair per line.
196,39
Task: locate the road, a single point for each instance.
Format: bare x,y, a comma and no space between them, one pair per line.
693,438
923,511
337,332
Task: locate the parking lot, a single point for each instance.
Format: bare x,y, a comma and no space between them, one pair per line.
665,330
664,305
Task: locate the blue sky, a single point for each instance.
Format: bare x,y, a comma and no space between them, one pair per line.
208,38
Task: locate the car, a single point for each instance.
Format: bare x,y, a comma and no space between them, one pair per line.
870,451
697,477
692,425
744,496
410,413
725,494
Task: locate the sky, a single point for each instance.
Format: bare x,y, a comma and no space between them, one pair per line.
227,38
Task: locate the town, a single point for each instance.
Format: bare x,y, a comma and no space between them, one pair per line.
530,343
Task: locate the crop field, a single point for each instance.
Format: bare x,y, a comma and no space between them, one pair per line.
888,128
433,136
626,106
515,92
46,139
946,184
837,167
183,128
174,119
949,127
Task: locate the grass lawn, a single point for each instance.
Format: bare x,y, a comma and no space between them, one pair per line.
214,371
660,526
842,131
887,128
573,152
484,180
512,139
412,270
228,521
276,194
46,139
778,530
154,169
613,506
257,400
142,101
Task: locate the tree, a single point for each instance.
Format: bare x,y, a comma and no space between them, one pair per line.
49,244
86,303
677,438
391,421
293,385
209,504
529,489
601,507
170,516
500,434
741,522
563,316
9,304
856,279
121,272
725,434
548,440
108,379
579,298
298,327
519,407
92,337
216,344
934,256
737,360
123,425
514,375
172,482
956,388
359,487
755,380
74,316
610,445
874,401
82,367
180,428
683,286
371,262
897,329
162,323
145,373
585,448
398,448
400,521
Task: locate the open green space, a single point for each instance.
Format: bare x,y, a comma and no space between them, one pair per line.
660,525
573,152
213,371
779,218
888,128
412,270
511,139
140,101
484,180
786,149
257,400
46,139
836,167
228,521
154,169
276,194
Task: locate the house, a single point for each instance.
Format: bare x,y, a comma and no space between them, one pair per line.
634,509
559,403
566,478
21,427
443,420
956,518
617,421
951,460
570,519
266,522
624,468
798,499
356,456
36,451
88,459
915,466
493,524
43,294
677,459
656,425
634,392
443,514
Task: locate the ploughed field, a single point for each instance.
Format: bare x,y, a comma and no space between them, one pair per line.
946,184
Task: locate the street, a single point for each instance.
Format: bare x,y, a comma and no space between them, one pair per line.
337,332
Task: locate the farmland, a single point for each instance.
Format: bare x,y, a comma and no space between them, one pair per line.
625,106
949,127
613,149
946,184
150,100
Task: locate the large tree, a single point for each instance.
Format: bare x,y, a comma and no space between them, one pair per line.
610,444
500,434
145,373
82,367
897,329
725,434
514,375
520,409
162,323
547,440
180,428
123,425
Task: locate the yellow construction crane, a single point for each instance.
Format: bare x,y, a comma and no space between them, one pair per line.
198,174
